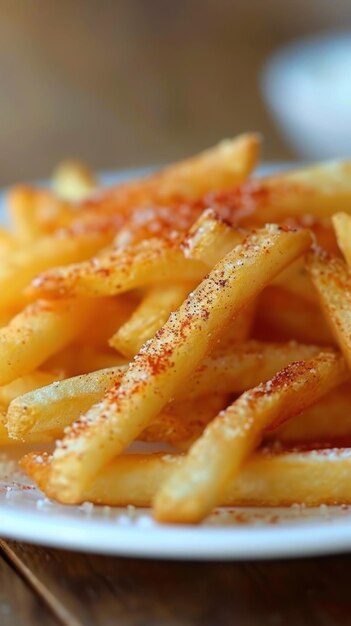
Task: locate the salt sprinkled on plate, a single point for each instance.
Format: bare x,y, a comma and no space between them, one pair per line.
87,507
144,521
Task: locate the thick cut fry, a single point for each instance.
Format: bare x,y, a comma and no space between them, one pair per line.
153,311
210,238
243,366
221,167
268,478
8,243
59,404
296,281
6,315
36,212
115,313
316,191
76,359
328,420
193,490
170,357
281,316
342,227
19,268
73,181
332,279
180,423
25,384
151,261
42,329
6,441
238,329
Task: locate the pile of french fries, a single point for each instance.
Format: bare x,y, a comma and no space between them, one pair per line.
202,309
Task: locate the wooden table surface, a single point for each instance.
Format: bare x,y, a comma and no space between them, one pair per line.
53,587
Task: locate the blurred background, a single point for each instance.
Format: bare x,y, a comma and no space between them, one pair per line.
123,83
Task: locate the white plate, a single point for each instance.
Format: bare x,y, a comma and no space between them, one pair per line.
228,534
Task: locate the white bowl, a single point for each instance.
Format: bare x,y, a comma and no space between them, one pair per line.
307,86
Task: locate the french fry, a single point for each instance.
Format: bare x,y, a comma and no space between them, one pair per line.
151,261
221,167
327,420
238,329
296,281
6,441
169,358
73,181
58,404
25,384
194,489
342,227
35,212
281,316
116,312
17,271
180,423
76,359
6,315
210,238
8,243
39,331
332,280
170,201
313,478
147,319
315,191
243,366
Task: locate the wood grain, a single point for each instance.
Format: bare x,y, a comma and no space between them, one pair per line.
130,592
19,606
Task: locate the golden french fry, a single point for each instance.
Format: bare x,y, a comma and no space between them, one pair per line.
6,315
180,423
167,360
39,331
296,281
327,420
150,315
243,366
315,191
115,313
342,227
238,329
76,359
281,316
221,167
6,441
148,262
332,280
58,404
17,271
35,212
25,384
73,181
8,243
313,478
210,238
194,489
